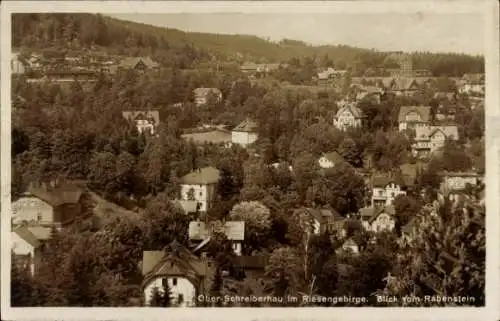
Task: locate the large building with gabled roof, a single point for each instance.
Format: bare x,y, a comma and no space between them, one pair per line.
245,133
200,185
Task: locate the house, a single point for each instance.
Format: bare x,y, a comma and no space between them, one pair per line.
348,116
405,86
330,73
261,69
200,233
216,136
472,83
412,117
372,92
26,248
245,133
325,220
49,205
385,189
200,185
202,95
458,181
186,275
401,86
449,96
18,64
378,219
330,160
140,64
146,121
249,266
432,138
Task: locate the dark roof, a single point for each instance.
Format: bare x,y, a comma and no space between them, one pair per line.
26,235
133,61
247,125
352,108
56,196
205,175
382,180
423,111
366,213
322,215
250,262
142,115
153,260
388,209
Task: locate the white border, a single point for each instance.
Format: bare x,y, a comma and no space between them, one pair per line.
488,8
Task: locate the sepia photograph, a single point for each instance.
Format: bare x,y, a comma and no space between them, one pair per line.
240,159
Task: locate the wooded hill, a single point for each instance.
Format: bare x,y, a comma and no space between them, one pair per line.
77,31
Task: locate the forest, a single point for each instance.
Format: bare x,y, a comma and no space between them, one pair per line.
77,31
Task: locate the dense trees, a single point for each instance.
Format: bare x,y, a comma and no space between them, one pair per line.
452,266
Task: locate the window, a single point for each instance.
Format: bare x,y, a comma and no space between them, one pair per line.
39,216
164,282
174,281
201,193
180,299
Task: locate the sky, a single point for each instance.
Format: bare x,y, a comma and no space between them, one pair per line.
435,32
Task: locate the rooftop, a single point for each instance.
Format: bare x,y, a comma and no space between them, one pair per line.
201,176
423,111
57,194
247,125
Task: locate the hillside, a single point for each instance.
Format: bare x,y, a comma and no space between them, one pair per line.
77,31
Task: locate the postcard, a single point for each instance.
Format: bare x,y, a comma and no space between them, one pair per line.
253,160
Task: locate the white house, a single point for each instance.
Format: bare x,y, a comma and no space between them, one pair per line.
17,65
187,275
457,181
413,117
200,185
472,83
200,233
348,116
378,219
330,160
430,139
201,95
145,121
384,191
245,133
26,248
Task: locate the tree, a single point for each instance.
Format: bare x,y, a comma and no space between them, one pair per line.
340,187
257,223
406,208
284,271
305,168
454,158
350,152
446,259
